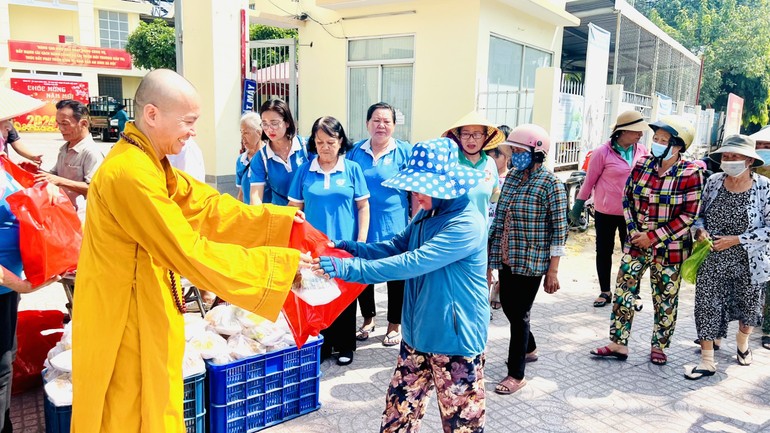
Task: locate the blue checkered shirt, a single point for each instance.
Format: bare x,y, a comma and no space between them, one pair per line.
530,223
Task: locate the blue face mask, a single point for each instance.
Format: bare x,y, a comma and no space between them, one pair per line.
658,151
521,161
765,155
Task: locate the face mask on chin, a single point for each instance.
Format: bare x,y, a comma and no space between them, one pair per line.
733,168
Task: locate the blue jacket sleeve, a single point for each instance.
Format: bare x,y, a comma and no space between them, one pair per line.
456,241
380,250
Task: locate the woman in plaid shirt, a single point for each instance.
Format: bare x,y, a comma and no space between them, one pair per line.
661,202
526,241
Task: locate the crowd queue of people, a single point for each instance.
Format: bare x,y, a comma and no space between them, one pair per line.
455,226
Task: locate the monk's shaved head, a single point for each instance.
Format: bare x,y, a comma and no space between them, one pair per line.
166,107
162,88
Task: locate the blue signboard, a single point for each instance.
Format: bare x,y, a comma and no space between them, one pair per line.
249,91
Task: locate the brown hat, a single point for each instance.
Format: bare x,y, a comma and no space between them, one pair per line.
630,121
494,136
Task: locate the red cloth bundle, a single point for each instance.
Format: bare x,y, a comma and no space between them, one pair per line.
49,233
306,320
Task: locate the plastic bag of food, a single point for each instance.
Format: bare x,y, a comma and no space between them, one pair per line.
243,347
316,290
224,319
247,319
209,345
192,363
59,390
194,325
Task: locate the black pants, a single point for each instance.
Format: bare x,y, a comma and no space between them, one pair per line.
517,294
9,304
606,226
395,301
341,335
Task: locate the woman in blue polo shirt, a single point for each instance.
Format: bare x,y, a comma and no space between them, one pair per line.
333,194
251,140
381,157
275,165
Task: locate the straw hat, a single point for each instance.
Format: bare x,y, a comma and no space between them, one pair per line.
494,136
434,170
630,121
740,144
13,103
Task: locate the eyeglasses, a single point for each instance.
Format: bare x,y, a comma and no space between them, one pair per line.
475,135
275,124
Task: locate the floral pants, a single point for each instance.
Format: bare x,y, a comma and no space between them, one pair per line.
665,281
459,384
766,312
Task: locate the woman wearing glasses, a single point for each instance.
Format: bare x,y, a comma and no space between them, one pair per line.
475,134
274,166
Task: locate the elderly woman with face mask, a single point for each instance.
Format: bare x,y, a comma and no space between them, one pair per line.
731,280
661,202
762,137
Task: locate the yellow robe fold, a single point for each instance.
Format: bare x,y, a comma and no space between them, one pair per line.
143,219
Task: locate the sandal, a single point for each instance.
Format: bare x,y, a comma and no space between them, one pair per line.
393,338
509,385
496,305
602,300
606,352
698,373
744,358
363,332
658,358
766,341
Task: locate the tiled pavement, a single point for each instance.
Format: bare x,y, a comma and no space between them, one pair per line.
568,391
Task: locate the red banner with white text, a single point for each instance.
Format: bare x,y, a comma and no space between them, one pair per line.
68,54
51,91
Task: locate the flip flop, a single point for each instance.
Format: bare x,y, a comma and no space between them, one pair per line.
606,352
496,305
698,373
658,358
393,338
363,332
766,341
744,358
509,385
606,299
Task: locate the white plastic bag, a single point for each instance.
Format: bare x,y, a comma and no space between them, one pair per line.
59,390
316,290
209,345
243,347
192,363
224,319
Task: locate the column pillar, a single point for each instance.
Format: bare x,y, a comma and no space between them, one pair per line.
211,44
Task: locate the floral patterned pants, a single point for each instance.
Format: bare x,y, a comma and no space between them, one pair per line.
459,384
665,281
766,312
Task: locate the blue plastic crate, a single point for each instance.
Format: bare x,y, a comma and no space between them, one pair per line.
57,419
254,393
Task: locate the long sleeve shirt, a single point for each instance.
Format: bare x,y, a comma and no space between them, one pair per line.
664,207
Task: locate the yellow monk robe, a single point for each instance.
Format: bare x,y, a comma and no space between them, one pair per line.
143,219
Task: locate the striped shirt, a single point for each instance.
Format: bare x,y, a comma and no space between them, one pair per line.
530,224
664,207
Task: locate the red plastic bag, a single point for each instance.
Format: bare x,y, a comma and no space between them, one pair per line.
304,319
33,347
25,178
49,233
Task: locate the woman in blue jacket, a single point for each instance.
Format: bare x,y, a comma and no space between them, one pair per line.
442,255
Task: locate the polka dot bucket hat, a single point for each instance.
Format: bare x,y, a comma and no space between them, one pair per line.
434,170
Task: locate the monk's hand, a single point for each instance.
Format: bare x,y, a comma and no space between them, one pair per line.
299,217
327,267
305,262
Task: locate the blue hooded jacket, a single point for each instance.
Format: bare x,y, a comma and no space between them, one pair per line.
442,255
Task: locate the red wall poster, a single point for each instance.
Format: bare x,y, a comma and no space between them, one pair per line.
51,91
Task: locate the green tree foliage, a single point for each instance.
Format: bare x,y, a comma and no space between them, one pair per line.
153,45
272,56
734,38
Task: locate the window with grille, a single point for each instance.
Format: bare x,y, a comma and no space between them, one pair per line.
380,69
111,86
113,29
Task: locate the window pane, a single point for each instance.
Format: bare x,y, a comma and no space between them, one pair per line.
504,64
363,93
123,26
533,59
397,91
381,48
103,15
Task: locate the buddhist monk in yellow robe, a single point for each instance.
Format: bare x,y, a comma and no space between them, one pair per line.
144,221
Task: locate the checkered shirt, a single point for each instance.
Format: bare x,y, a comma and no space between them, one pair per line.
531,218
664,207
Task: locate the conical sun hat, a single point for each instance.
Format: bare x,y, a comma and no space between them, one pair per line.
434,170
13,103
494,136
